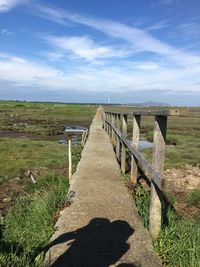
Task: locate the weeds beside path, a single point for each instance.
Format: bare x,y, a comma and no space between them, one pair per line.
28,226
178,244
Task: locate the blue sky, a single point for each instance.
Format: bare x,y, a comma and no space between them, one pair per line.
88,51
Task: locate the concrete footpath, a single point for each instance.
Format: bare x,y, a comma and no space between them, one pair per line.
101,227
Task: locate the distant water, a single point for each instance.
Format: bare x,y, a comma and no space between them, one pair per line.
143,144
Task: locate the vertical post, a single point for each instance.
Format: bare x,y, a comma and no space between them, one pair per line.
70,157
108,124
118,141
123,151
113,123
103,115
135,143
160,128
106,127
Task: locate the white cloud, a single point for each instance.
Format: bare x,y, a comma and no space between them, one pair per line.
83,47
6,5
169,67
140,40
158,26
126,77
19,70
6,32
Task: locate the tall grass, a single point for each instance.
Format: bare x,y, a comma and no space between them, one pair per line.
178,243
194,198
30,223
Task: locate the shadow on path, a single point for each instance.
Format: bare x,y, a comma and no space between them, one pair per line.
99,244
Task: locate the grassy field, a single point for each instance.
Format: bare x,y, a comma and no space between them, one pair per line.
178,244
45,119
29,134
183,135
19,155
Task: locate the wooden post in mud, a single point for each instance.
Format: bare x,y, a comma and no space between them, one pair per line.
135,144
123,149
160,127
70,156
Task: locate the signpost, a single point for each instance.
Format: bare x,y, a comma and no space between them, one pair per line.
69,131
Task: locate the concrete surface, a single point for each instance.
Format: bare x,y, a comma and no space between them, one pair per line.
101,227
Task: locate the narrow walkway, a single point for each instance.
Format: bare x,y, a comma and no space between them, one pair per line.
102,227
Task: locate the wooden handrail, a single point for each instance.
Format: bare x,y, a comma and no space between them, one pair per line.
115,124
143,164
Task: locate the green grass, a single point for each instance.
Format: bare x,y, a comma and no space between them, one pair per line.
43,118
19,155
183,138
142,201
29,225
178,244
194,198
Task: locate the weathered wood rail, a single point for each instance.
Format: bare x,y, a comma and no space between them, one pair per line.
115,124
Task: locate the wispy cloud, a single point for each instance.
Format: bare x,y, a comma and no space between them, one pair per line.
140,40
189,29
167,67
6,32
6,5
83,47
129,76
158,26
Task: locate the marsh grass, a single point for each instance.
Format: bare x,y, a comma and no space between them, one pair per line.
29,225
43,118
19,155
194,198
178,244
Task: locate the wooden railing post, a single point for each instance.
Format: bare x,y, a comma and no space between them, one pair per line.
110,128
106,125
123,149
104,119
113,124
135,144
108,118
118,140
158,163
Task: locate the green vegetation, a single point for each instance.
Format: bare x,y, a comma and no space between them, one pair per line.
183,138
20,155
179,241
194,198
183,142
142,201
28,140
28,226
46,119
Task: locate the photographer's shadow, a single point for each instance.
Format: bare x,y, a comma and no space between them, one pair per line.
101,243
